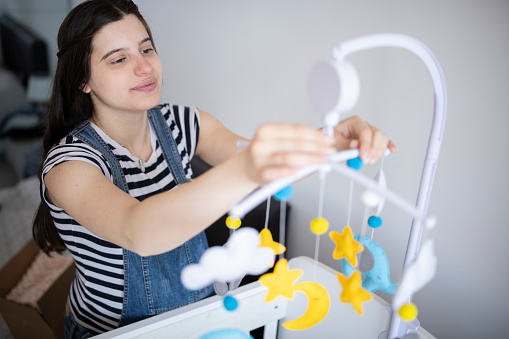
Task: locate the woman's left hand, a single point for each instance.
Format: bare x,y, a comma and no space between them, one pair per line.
354,132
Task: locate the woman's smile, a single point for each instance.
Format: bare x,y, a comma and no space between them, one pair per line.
147,85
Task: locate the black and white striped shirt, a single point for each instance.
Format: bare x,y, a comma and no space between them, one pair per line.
96,294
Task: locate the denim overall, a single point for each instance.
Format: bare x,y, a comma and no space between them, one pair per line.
152,284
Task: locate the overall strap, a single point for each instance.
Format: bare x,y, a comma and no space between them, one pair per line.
88,135
168,145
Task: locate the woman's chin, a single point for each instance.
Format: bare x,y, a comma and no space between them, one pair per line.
148,102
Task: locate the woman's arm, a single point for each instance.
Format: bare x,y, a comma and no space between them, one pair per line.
164,221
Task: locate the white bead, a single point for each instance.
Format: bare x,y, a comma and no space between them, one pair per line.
370,198
430,222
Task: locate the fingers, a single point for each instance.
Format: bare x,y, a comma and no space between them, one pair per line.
373,144
370,141
279,150
292,132
392,147
293,138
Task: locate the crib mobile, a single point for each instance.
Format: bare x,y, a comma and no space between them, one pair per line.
334,88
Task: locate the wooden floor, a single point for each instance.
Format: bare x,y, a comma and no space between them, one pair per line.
7,179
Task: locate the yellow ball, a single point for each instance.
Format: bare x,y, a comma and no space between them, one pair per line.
319,225
408,312
233,222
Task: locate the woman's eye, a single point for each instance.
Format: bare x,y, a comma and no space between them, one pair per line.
146,50
118,61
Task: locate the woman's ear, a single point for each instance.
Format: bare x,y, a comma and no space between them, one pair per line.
85,88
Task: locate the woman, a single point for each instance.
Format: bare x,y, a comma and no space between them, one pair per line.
116,182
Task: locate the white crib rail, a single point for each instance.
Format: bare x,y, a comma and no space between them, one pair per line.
200,318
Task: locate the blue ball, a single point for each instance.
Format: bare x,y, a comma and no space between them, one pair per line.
230,303
374,222
355,163
285,194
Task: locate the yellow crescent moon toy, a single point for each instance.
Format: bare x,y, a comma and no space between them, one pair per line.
281,283
318,306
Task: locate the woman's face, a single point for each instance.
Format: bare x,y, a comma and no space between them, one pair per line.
125,70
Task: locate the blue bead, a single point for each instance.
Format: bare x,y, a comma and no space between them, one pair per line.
226,334
374,221
285,194
230,303
355,163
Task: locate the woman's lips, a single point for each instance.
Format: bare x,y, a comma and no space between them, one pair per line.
146,86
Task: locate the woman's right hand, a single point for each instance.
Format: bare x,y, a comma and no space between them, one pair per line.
278,150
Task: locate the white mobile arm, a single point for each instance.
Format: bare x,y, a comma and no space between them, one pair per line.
269,189
440,109
334,88
437,129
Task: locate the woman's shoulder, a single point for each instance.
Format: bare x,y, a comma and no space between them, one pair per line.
72,148
71,143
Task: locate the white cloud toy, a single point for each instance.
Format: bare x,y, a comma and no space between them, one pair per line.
241,255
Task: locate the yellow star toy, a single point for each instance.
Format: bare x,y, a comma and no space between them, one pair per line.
267,241
280,282
346,246
353,292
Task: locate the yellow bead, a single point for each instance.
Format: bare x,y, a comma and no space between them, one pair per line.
233,222
319,225
408,312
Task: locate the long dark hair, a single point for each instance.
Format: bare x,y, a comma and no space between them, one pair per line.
68,104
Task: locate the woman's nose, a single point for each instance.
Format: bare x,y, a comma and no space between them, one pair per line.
142,66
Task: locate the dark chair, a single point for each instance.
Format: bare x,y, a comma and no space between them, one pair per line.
24,53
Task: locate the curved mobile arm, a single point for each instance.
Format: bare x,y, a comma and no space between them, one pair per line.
440,109
437,129
260,195
271,188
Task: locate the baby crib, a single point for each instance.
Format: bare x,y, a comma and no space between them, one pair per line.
198,319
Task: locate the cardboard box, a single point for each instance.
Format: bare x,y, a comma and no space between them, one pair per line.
24,321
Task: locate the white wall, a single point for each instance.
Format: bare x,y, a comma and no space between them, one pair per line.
247,63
